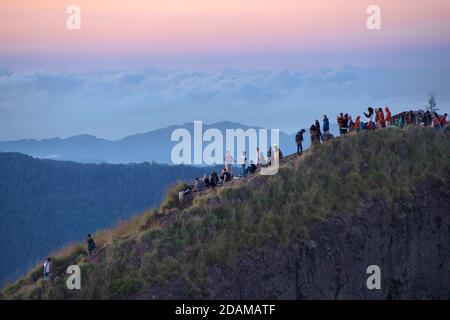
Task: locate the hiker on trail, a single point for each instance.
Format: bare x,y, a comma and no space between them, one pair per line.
251,168
380,122
224,176
388,117
357,125
47,263
313,134
213,179
410,118
436,122
401,121
351,124
326,124
299,141
90,244
369,117
443,120
429,118
317,124
243,162
196,185
345,123
257,157
228,161
425,119
421,119
340,122
269,156
206,181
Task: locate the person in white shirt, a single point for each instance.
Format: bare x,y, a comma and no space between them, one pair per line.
228,161
47,268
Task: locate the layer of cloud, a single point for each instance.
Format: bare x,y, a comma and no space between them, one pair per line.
113,104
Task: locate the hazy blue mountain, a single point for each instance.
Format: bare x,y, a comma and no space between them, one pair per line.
150,146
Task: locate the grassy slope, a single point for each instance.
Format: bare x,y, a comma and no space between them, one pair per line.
170,244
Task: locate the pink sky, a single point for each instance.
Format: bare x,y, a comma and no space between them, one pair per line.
157,27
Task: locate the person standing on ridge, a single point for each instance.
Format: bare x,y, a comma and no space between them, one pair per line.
228,161
429,118
351,124
436,122
357,125
299,141
257,160
47,263
369,117
313,134
243,161
90,244
443,120
345,124
388,118
326,124
381,123
317,124
340,121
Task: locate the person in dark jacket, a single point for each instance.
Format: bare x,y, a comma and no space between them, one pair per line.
251,168
213,179
317,124
314,135
340,122
326,124
299,141
344,128
90,244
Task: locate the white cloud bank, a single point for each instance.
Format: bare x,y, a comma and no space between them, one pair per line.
112,104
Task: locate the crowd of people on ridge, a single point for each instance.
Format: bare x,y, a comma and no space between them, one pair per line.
375,119
247,167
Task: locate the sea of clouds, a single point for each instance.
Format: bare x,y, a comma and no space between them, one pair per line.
112,104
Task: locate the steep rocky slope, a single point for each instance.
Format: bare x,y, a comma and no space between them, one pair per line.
309,232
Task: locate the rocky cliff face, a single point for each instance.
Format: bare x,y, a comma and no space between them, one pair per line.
410,243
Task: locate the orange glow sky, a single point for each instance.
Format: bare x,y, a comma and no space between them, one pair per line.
118,28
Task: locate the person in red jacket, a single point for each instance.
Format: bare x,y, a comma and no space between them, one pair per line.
436,122
381,123
357,125
388,117
443,120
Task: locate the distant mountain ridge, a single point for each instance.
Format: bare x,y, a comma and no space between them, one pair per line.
150,146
